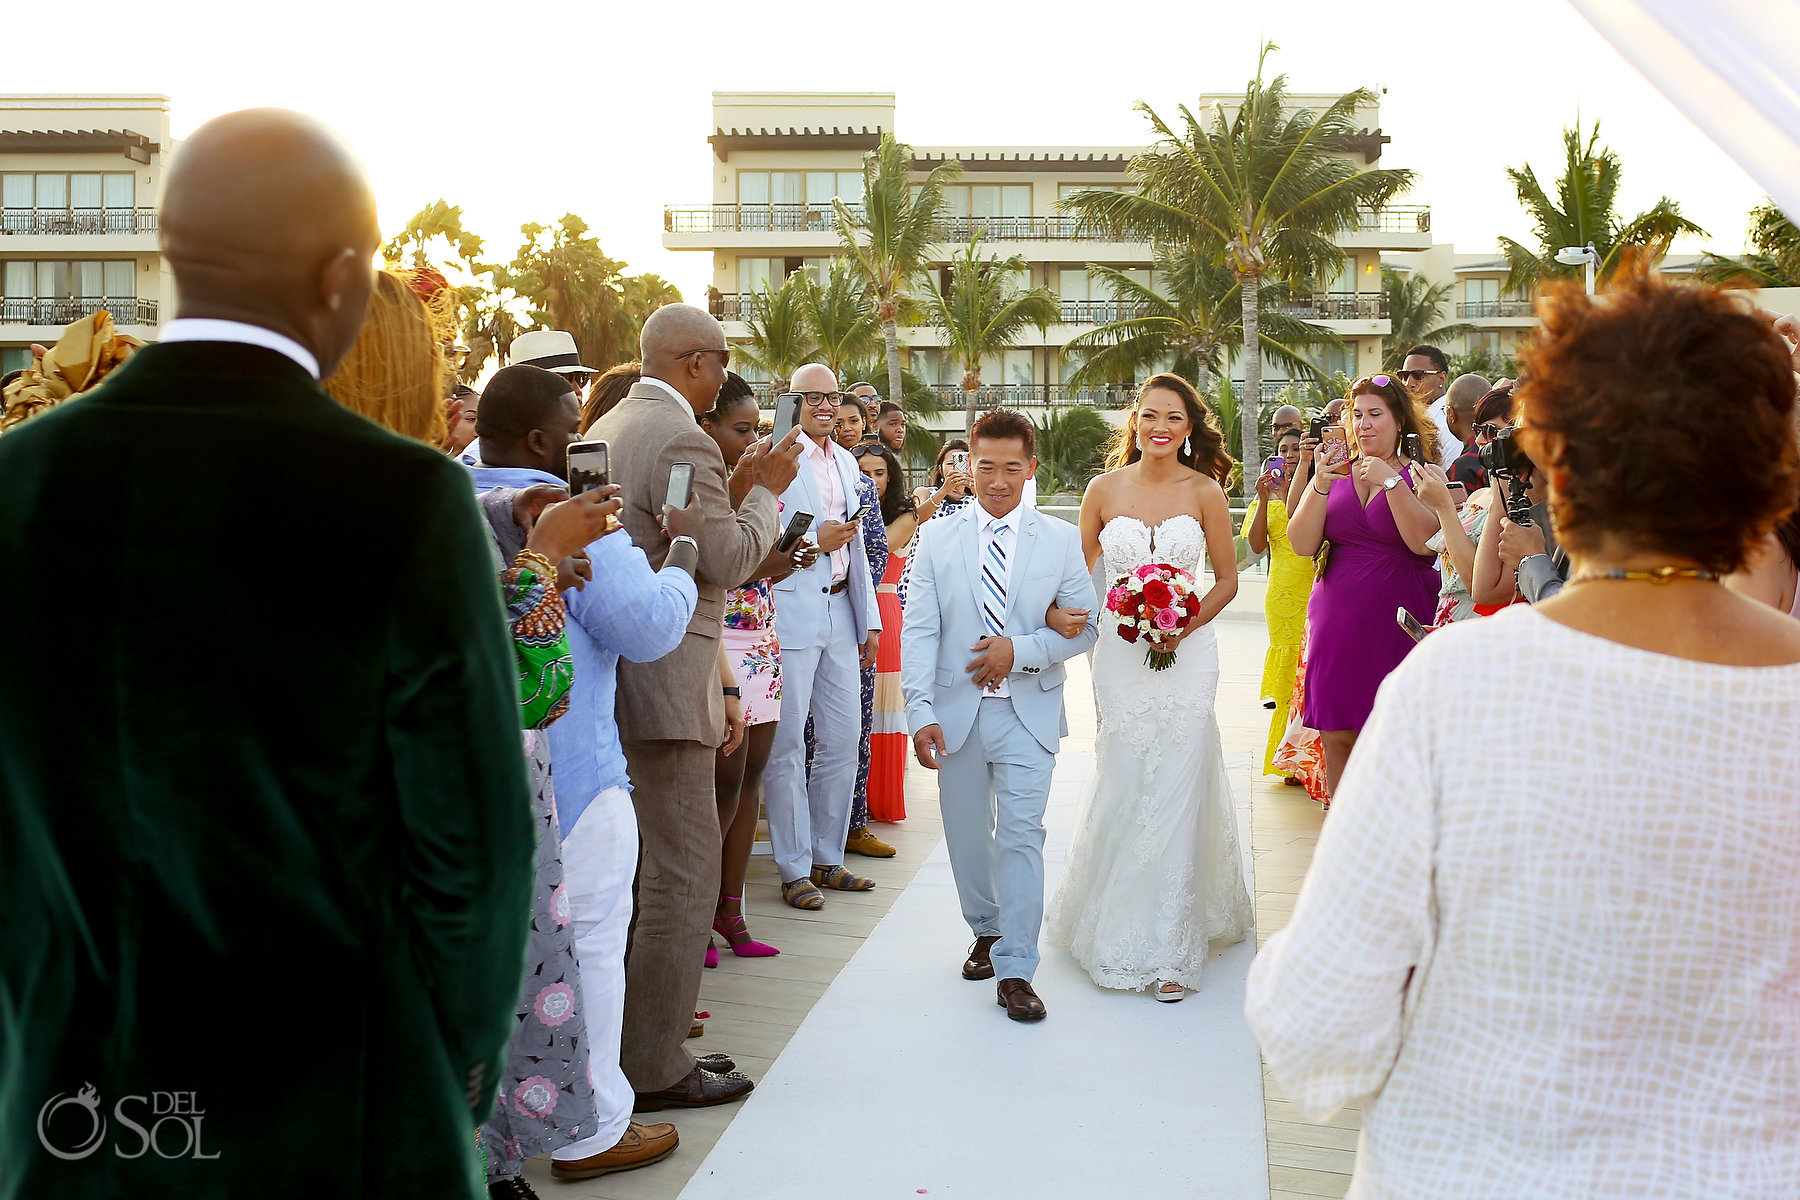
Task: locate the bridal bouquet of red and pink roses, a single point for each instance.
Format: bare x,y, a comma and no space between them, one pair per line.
1151,605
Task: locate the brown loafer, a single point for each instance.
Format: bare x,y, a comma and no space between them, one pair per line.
640,1146
698,1089
862,842
716,1064
1019,1001
980,963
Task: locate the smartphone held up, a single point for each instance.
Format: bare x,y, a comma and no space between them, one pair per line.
588,467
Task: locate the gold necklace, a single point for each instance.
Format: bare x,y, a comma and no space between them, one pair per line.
1647,575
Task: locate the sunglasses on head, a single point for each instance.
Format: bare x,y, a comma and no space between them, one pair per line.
1379,381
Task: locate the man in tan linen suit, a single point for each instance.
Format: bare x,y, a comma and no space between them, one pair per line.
671,712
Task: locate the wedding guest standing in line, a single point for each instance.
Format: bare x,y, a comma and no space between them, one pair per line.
329,855
1557,960
1290,586
755,655
671,712
852,422
631,613
888,734
829,629
1363,504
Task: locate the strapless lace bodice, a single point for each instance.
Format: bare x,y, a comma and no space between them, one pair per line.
1126,543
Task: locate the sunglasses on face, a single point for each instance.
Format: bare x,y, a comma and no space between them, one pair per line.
1487,429
1416,376
724,353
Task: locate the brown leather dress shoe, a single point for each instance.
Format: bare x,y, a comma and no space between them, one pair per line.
698,1089
980,963
1020,1002
639,1147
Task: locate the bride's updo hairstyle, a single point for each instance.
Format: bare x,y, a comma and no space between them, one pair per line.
1208,455
1664,415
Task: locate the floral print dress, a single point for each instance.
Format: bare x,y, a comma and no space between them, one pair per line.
546,1099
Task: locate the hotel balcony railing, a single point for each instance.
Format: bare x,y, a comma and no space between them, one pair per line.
1040,395
16,311
1396,218
821,218
1337,306
93,220
1494,308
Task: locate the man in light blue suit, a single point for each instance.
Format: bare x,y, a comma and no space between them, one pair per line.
829,629
983,678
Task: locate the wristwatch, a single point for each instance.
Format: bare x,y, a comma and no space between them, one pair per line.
1392,482
735,691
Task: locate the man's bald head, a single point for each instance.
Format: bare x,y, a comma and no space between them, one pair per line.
1286,417
685,347
267,218
813,377
1464,394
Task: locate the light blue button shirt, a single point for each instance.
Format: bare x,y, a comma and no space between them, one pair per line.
627,609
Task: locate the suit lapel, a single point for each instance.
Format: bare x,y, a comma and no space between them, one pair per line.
1022,547
970,516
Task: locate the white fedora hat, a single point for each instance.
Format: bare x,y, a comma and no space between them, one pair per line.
551,349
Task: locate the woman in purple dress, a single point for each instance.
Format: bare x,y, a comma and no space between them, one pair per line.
1360,505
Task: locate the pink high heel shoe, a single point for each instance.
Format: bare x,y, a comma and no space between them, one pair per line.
744,948
712,954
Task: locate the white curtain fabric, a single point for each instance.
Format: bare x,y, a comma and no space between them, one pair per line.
1731,66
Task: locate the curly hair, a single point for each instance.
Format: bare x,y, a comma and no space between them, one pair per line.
396,374
1640,402
1208,455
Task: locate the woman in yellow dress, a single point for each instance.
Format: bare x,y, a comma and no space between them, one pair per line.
1290,583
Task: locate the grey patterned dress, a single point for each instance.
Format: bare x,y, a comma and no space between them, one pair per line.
546,1098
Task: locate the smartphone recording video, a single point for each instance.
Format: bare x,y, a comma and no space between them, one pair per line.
587,467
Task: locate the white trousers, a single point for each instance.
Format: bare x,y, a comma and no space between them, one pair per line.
992,793
599,862
808,822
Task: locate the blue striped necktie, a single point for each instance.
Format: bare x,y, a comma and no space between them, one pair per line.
993,582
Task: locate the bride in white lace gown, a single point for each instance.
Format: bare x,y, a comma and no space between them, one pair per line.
1153,880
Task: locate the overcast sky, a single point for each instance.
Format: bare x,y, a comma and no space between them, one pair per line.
522,112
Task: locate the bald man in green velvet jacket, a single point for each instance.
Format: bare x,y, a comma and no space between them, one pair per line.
265,846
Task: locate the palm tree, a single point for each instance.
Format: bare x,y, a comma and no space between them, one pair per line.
984,313
1069,447
892,236
1583,212
841,314
1264,190
1774,261
780,341
1195,324
1414,305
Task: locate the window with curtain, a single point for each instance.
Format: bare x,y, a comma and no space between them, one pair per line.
754,272
84,192
52,192
120,280
120,190
17,191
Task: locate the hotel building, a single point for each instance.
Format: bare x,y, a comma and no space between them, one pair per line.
79,179
779,159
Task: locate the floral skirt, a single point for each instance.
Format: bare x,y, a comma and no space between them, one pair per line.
1300,753
756,657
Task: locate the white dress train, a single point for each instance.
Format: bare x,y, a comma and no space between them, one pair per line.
1153,880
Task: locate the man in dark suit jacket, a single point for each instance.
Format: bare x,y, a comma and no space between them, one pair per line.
265,846
672,711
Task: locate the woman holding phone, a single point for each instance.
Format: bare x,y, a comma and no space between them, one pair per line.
888,736
1361,501
755,656
948,490
1290,583
1456,541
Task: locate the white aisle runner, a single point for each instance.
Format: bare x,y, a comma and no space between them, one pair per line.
908,1080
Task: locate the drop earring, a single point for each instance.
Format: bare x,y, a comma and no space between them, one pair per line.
1187,445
